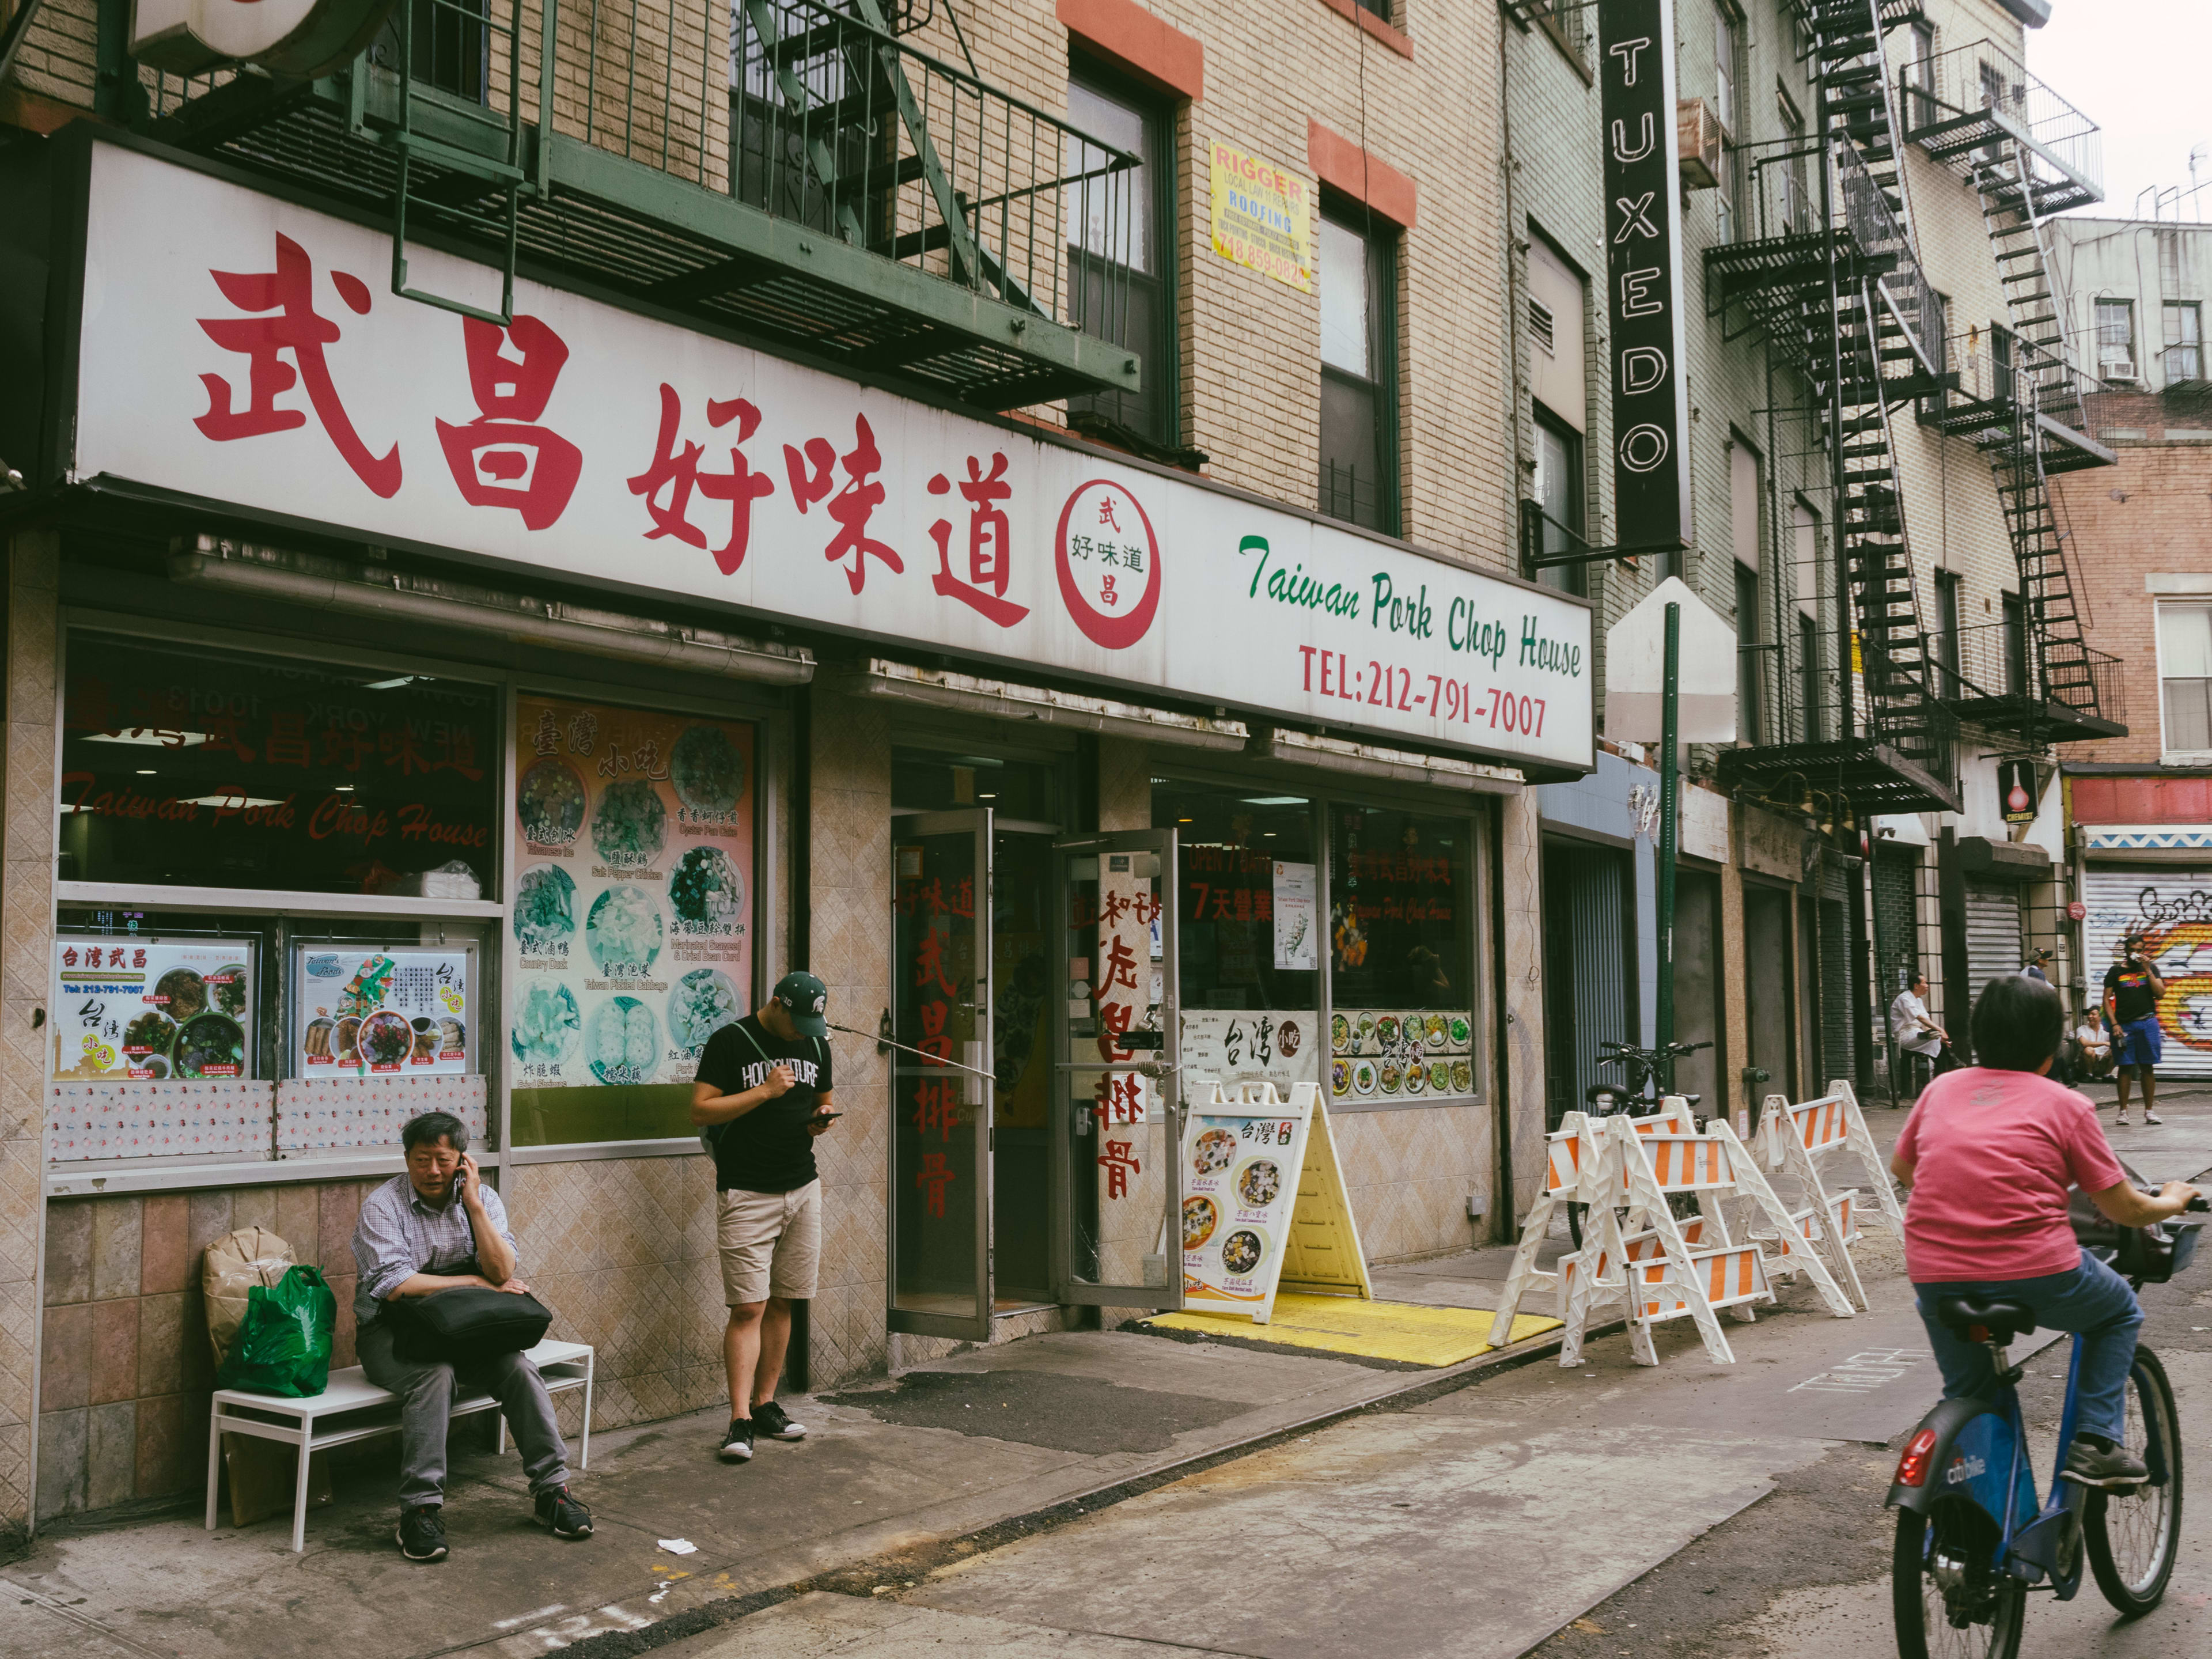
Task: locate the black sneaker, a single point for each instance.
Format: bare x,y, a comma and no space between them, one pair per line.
769,1419
567,1517
738,1444
421,1533
2096,1461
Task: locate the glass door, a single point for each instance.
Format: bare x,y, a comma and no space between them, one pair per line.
939,1282
1118,1106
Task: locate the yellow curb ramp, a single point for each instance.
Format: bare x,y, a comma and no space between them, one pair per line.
1407,1333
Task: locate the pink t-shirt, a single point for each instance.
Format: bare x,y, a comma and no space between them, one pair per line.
1995,1152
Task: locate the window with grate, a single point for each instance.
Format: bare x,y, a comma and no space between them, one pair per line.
452,45
1357,278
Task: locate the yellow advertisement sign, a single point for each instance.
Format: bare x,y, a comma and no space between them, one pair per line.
1263,216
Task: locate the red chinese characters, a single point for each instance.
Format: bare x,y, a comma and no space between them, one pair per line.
1119,1098
1119,1165
933,1177
990,544
936,1107
677,472
813,477
285,321
502,458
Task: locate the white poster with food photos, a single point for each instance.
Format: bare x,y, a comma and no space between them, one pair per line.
632,934
128,1007
1240,1181
1400,1055
374,1011
1251,1045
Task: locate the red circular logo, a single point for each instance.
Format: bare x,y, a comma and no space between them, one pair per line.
1109,564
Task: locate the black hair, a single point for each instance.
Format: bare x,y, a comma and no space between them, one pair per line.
2017,1022
434,1126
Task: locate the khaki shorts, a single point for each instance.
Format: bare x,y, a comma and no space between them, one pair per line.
771,1243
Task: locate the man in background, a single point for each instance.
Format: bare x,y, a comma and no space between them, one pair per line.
2132,989
1923,1043
2093,1045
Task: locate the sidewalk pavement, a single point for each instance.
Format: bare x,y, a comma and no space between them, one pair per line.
888,1468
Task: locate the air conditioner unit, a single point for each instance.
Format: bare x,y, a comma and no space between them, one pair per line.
2117,369
1698,136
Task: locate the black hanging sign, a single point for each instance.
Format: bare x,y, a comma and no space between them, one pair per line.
1643,285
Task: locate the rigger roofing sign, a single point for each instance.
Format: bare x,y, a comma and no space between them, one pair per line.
1643,258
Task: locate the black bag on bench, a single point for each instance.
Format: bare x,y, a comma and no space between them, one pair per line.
466,1325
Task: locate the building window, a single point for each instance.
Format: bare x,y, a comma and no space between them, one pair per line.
451,46
1809,555
2185,341
1751,723
2116,338
1920,75
1119,238
1375,8
1726,63
2015,645
1358,376
1559,494
1947,634
2185,677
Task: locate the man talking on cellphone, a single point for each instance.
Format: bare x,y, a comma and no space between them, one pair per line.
762,1096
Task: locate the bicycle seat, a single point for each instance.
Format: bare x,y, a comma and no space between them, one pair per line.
2003,1320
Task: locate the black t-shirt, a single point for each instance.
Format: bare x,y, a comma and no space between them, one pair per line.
767,1150
2129,984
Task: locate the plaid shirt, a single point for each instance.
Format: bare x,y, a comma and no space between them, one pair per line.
399,1235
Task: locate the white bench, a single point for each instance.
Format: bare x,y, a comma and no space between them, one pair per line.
351,1407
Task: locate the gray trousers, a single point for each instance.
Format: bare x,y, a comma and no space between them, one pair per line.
426,1394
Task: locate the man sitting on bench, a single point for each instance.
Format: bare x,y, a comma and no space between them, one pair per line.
436,1227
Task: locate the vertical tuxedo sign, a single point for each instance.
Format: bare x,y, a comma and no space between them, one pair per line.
1644,273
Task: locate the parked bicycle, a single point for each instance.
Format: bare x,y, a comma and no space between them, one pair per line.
1971,1537
1639,1096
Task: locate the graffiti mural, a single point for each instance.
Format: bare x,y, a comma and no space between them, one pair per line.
2173,908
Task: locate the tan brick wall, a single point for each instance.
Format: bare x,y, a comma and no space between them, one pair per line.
58,55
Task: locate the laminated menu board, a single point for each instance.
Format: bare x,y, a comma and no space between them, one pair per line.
632,935
129,1006
373,1011
1264,1201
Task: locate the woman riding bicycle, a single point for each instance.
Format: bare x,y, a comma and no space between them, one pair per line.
1990,1152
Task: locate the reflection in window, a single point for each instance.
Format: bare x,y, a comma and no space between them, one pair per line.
1116,289
1358,375
1401,985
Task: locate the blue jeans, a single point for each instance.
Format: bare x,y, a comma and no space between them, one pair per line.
2091,1299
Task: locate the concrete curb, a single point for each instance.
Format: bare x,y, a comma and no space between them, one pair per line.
898,1569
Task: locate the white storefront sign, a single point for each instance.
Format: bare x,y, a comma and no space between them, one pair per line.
239,349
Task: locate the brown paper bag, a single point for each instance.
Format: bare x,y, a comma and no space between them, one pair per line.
233,1264
261,1476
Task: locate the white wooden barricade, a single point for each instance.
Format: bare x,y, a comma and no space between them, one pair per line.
1796,1138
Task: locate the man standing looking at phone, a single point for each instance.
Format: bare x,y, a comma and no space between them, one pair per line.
762,1096
2132,989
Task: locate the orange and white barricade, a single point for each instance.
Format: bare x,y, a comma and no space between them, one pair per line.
1797,1138
1572,1155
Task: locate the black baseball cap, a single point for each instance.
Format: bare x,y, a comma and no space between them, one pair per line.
803,997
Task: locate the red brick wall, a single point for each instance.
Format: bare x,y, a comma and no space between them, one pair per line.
2153,512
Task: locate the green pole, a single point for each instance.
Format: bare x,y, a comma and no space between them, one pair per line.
1670,691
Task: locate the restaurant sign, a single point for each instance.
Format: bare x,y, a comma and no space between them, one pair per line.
233,349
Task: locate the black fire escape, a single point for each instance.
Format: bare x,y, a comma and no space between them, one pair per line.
1828,272
2018,396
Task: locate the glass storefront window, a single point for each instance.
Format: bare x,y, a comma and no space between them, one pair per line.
631,939
1251,937
939,780
1402,987
209,768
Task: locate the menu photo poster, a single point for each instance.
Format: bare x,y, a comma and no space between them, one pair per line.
382,1011
1249,1045
633,845
1243,1149
146,1009
1297,941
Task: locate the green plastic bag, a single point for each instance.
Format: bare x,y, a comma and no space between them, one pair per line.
284,1344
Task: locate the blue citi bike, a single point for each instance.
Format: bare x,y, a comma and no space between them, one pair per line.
1972,1538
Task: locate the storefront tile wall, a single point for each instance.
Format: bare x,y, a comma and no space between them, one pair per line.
127,1365
1409,1173
25,912
1521,972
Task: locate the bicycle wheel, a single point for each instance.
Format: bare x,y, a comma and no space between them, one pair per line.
1948,1599
2134,1537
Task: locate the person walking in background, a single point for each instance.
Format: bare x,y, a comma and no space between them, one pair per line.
2093,1045
1923,1043
2132,989
2038,965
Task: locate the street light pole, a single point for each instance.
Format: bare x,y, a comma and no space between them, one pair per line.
1670,690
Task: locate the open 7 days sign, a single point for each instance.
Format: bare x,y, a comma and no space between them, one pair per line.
233,349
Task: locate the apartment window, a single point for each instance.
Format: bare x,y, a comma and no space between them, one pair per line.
1120,234
2185,341
1559,493
1375,8
1947,634
1920,74
2116,336
1727,44
2185,677
1751,708
450,47
2015,645
1359,374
